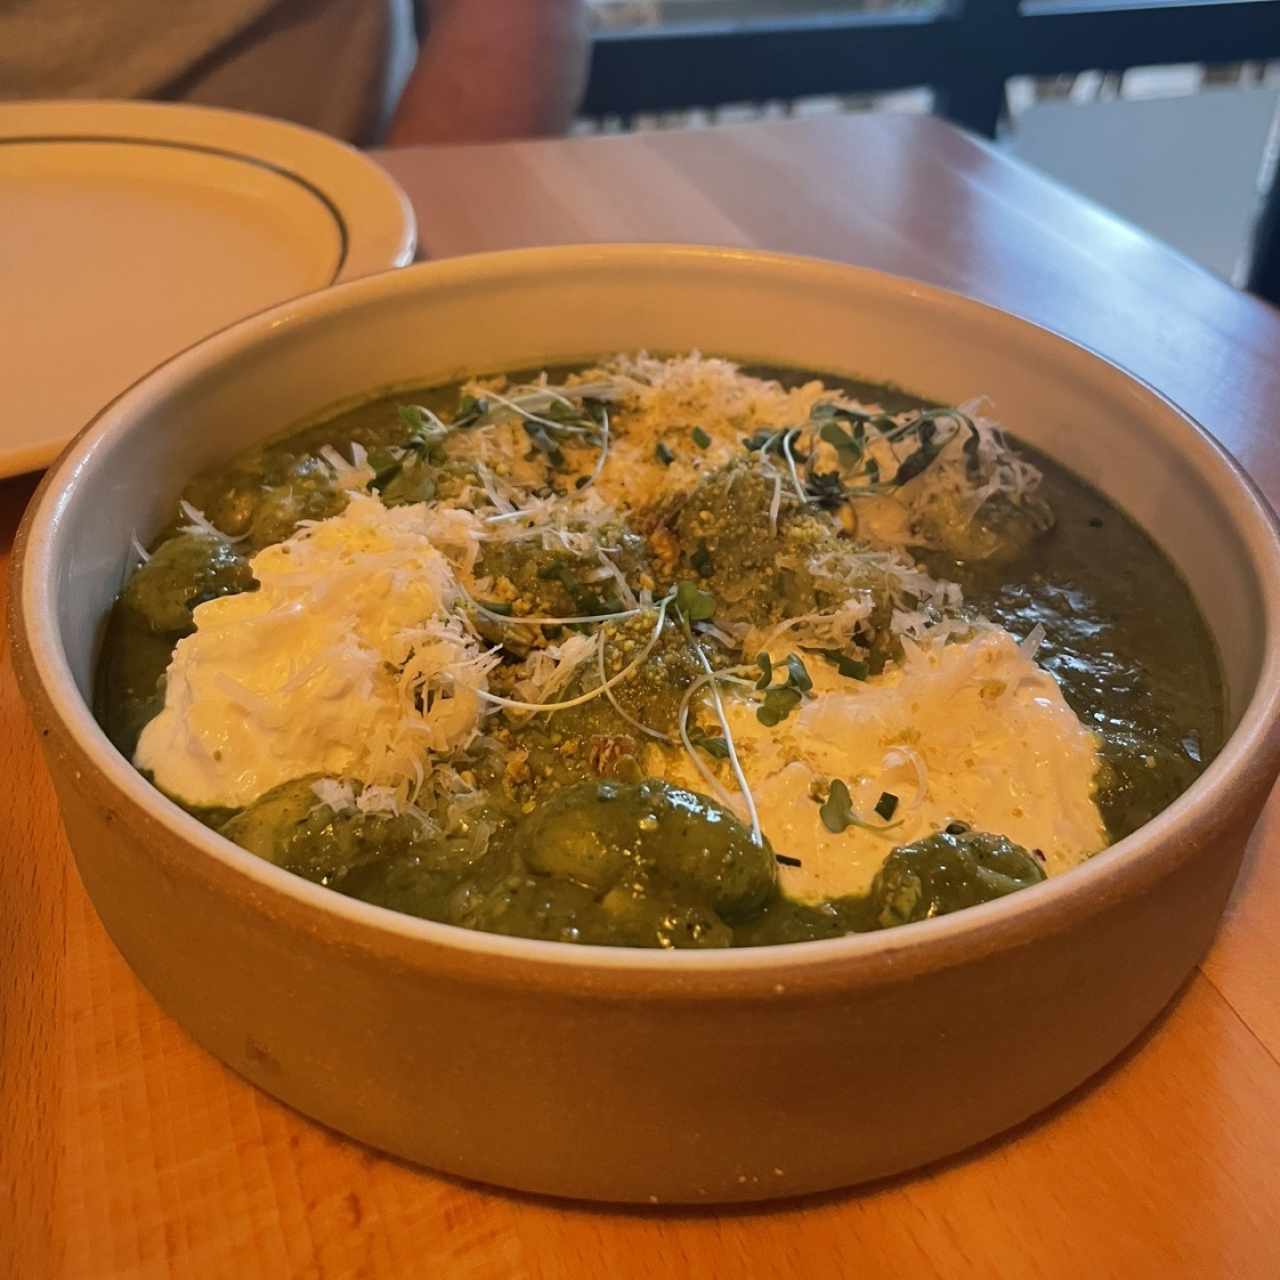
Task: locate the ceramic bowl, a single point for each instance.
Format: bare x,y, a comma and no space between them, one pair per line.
613,1073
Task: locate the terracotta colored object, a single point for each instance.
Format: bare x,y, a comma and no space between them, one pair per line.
620,1074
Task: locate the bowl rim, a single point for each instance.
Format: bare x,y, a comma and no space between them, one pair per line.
1128,866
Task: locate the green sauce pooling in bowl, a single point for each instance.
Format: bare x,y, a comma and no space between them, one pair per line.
660,653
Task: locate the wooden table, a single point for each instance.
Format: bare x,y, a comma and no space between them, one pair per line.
126,1151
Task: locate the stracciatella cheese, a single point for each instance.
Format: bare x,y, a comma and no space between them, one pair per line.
972,731
345,661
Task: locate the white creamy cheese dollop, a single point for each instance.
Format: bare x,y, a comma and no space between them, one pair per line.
972,731
345,661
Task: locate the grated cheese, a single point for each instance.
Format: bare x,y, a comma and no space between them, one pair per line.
345,661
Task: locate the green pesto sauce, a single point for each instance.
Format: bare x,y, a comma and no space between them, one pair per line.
572,843
1124,639
1123,635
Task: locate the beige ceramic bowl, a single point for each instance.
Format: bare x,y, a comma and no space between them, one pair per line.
627,1074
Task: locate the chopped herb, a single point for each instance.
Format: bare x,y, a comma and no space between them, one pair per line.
470,406
778,704
696,605
781,701
700,438
837,810
665,456
496,606
717,747
853,668
758,440
785,860
558,571
542,441
581,482
825,410
873,471
848,449
826,490
423,431
972,459
701,561
887,805
386,466
918,462
557,412
797,675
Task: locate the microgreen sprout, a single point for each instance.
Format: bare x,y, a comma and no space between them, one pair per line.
781,700
529,416
787,439
712,678
837,810
838,814
426,426
716,747
797,675
778,704
695,604
493,612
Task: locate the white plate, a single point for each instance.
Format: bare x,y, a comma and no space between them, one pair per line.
130,230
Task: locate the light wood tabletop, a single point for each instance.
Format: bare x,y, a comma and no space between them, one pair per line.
126,1151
